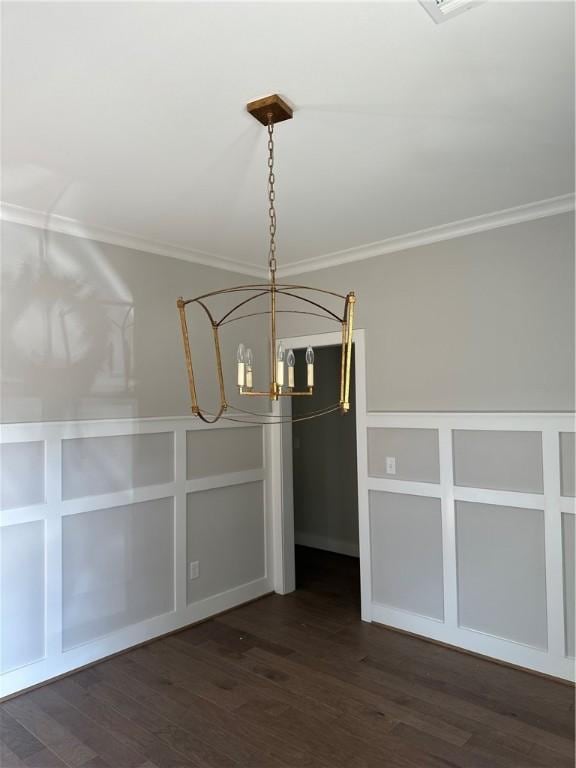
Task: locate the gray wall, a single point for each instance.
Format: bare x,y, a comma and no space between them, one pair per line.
212,452
95,465
415,452
225,535
91,330
117,568
505,461
324,461
501,571
406,546
478,323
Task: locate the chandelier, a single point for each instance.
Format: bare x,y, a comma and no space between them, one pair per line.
278,299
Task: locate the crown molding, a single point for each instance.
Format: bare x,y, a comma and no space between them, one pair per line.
67,226
503,218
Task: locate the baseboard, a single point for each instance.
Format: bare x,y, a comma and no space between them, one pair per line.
46,670
490,647
340,546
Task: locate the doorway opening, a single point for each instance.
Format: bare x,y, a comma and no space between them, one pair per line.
333,550
325,485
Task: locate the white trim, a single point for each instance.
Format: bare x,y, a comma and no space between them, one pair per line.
362,472
180,520
477,642
53,222
31,431
117,499
341,546
524,422
500,498
462,228
283,577
553,542
284,408
448,511
30,514
388,485
461,493
211,482
52,549
55,660
552,660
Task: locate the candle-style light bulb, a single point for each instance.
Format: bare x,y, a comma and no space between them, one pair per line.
310,367
280,365
290,362
249,367
241,361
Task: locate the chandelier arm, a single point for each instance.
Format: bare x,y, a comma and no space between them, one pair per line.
350,301
190,370
314,303
272,419
241,304
343,363
223,403
237,409
215,416
205,308
279,312
265,288
233,289
282,286
187,354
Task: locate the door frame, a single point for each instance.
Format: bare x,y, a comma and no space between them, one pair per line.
280,481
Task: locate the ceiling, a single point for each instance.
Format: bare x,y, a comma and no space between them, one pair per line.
130,117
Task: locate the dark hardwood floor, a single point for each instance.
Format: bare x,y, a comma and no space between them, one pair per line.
293,681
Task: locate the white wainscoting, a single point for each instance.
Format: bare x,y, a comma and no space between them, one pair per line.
34,595
554,659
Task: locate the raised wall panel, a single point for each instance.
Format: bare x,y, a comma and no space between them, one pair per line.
568,539
406,543
501,571
415,451
117,568
225,534
96,465
500,460
22,594
567,463
219,451
21,474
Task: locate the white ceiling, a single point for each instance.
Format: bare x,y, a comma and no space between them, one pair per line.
130,117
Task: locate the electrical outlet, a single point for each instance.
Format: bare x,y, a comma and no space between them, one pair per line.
390,465
194,570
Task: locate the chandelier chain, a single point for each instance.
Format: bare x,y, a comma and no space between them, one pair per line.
271,198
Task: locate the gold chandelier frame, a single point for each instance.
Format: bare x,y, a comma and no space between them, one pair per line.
311,302
273,290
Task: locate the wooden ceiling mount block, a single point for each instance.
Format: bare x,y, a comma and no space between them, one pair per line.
275,105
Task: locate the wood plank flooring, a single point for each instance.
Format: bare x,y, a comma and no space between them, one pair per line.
293,681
